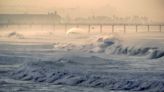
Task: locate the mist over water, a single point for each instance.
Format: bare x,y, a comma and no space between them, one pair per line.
81,45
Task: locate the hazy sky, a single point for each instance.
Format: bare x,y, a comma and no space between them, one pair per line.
153,9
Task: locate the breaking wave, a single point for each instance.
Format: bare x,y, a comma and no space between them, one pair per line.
113,45
15,35
149,52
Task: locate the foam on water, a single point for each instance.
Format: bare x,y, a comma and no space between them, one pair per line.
84,71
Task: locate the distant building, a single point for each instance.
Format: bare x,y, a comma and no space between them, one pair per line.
49,18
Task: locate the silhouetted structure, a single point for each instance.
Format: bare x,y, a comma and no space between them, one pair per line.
54,19
49,18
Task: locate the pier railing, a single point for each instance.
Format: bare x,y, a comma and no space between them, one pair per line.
101,25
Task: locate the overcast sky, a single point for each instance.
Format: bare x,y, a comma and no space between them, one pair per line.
74,8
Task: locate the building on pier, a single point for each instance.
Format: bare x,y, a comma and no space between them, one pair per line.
49,18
